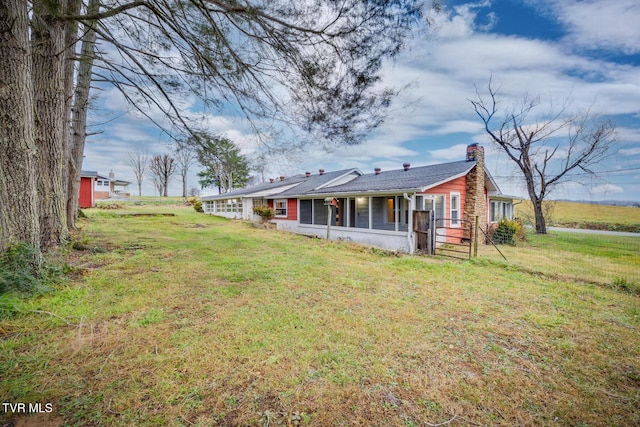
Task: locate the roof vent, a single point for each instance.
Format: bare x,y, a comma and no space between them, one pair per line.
321,171
307,174
377,171
406,166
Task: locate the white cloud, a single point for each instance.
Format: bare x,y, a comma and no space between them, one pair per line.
602,24
449,154
607,189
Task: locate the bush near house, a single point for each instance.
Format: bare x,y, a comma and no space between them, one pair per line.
265,213
507,231
196,203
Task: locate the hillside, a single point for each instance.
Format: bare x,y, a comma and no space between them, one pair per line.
585,215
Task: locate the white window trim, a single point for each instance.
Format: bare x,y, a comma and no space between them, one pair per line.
457,223
286,208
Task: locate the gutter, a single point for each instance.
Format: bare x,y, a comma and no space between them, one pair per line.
410,223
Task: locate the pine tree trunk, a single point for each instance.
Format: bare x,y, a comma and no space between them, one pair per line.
48,76
18,190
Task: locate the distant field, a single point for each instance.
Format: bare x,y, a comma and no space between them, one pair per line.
197,320
146,200
585,215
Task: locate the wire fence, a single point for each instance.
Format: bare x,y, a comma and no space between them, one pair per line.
612,260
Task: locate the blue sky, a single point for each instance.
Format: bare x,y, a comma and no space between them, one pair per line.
585,51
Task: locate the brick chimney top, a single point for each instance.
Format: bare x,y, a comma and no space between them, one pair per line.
377,171
321,171
307,174
281,177
271,179
473,150
406,166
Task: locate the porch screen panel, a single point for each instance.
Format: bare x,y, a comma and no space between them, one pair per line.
306,212
319,212
362,212
382,218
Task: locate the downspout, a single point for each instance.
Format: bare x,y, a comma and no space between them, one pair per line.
410,223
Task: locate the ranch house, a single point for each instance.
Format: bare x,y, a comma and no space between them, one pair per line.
378,208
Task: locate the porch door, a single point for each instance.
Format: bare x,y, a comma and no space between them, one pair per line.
436,204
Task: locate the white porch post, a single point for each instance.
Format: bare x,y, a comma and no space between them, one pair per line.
396,214
410,234
370,213
347,211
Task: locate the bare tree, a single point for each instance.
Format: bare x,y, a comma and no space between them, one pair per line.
157,185
560,148
185,158
139,163
163,167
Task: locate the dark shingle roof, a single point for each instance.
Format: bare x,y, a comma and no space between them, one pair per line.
401,180
315,181
265,186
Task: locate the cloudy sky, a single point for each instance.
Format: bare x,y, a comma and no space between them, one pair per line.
587,52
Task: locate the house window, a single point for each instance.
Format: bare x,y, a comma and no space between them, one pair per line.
500,210
258,203
281,208
455,209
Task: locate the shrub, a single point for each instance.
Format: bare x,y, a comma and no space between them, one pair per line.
507,231
22,272
18,269
265,213
196,203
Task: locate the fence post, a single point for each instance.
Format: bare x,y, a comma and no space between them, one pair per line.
475,238
471,236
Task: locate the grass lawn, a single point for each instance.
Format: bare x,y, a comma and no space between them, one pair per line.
585,215
198,320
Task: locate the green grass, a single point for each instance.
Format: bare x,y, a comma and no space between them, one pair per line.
585,215
605,260
197,320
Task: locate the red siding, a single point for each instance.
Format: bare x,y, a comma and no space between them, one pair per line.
86,192
292,209
458,185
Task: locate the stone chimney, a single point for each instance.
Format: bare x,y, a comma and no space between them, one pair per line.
473,150
475,203
377,171
321,171
406,166
112,176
